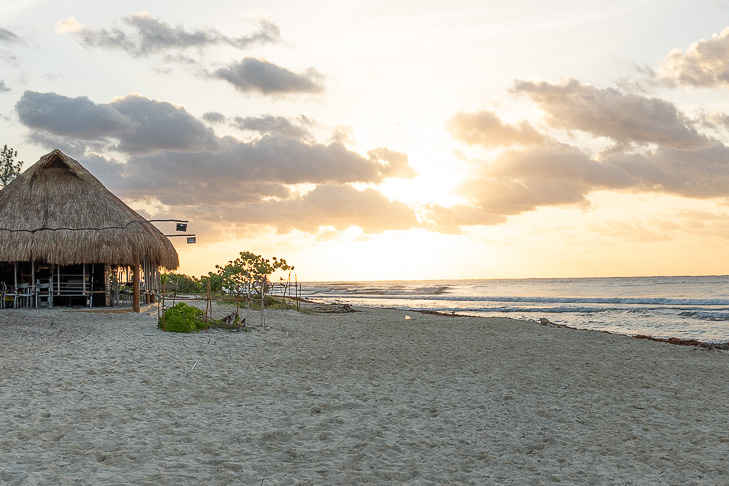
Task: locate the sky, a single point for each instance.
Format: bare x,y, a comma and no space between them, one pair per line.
380,140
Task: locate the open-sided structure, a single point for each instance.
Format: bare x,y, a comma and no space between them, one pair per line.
64,234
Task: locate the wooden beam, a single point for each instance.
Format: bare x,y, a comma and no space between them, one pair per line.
135,288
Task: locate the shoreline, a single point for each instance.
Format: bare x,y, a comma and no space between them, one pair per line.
351,398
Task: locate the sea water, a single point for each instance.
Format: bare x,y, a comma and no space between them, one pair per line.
662,307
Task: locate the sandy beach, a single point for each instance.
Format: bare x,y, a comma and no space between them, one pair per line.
351,398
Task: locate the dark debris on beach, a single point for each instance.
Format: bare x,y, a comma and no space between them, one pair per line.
686,342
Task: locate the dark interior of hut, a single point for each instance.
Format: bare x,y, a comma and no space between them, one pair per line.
73,285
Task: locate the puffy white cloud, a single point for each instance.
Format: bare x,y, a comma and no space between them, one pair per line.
704,64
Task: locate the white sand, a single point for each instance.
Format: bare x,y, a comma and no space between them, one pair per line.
368,397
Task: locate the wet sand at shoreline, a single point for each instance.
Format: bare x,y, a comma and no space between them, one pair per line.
352,398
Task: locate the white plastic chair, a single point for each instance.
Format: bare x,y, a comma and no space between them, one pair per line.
23,295
8,296
43,291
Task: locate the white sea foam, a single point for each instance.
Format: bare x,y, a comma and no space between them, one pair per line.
658,306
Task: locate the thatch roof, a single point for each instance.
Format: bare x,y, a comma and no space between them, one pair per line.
57,212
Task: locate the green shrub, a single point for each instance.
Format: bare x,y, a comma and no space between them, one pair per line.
182,318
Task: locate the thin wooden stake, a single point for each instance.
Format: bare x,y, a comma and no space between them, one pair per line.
208,308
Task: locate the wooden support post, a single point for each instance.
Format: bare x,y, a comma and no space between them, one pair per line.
263,302
135,288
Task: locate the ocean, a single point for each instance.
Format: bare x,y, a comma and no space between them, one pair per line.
661,307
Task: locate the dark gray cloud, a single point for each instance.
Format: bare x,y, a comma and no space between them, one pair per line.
71,146
74,117
165,141
213,117
3,87
9,37
704,64
485,128
261,76
160,126
625,118
174,158
146,35
272,125
250,183
256,170
229,194
132,124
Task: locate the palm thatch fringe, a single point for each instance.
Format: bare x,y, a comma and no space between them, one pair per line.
58,213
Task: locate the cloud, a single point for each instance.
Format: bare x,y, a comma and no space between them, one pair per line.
213,117
704,64
394,164
3,87
700,174
272,125
519,181
340,207
250,183
261,76
625,118
223,195
147,35
73,117
160,126
9,37
486,129
163,139
657,149
558,175
132,124
175,160
249,170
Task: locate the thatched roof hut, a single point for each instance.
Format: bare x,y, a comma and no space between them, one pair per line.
58,213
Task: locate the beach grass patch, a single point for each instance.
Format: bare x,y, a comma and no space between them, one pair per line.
182,318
